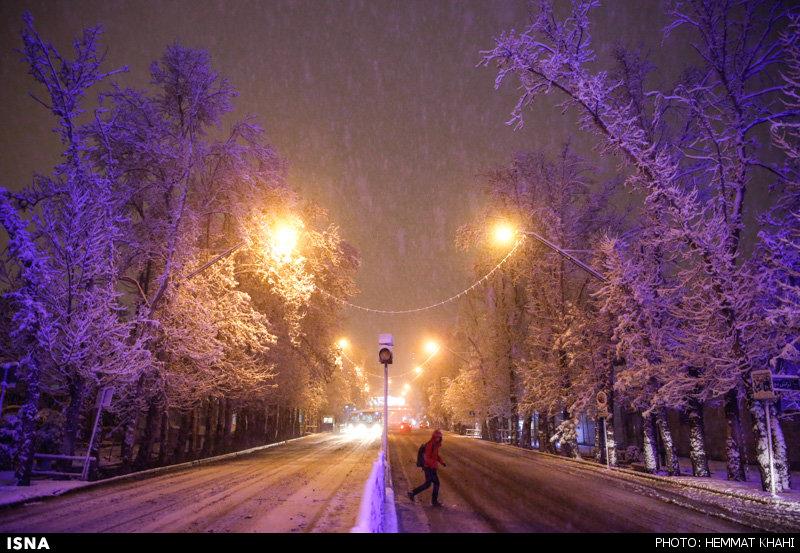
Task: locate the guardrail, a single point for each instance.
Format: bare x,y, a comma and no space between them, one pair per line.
377,513
43,462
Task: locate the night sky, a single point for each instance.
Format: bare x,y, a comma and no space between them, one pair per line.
377,105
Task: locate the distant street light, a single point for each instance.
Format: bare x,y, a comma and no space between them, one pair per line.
504,233
343,343
418,370
431,347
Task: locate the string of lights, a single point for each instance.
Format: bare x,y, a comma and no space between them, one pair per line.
462,293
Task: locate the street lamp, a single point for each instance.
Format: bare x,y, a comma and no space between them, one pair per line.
418,370
283,238
343,343
433,347
504,233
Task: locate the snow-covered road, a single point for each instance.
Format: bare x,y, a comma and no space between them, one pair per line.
309,485
489,487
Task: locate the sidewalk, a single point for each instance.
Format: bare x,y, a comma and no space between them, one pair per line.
40,490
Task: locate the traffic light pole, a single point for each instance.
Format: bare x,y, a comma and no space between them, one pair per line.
385,407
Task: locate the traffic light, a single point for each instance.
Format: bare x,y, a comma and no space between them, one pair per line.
385,349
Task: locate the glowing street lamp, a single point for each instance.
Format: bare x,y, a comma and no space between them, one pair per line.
431,347
343,343
503,233
284,236
406,387
418,370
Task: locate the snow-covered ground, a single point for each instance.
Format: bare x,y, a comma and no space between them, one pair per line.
309,485
488,487
718,481
11,493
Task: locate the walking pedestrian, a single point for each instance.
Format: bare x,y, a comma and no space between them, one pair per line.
428,459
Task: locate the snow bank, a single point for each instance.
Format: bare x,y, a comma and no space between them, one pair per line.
377,513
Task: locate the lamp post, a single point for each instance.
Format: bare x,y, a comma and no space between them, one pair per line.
284,237
505,233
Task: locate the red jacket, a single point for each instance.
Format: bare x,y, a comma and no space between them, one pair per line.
432,458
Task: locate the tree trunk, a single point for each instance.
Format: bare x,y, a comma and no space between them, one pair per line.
148,437
486,433
77,390
163,440
180,439
734,444
131,428
780,467
697,439
650,449
265,433
194,443
526,431
208,429
222,416
238,432
27,414
672,464
611,442
570,444
226,431
549,429
491,426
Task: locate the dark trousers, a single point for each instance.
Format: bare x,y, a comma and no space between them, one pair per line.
430,478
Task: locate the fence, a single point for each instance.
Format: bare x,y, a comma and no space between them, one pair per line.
377,513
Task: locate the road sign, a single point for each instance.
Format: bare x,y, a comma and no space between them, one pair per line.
602,404
762,385
105,396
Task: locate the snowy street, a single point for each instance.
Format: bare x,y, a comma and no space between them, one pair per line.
310,485
488,487
257,255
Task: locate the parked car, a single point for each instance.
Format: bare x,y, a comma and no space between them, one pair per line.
405,427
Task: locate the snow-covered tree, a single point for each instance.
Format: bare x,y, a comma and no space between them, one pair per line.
703,219
66,301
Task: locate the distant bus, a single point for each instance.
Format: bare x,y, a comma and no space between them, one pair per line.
364,422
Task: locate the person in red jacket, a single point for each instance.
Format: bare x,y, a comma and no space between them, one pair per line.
432,460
